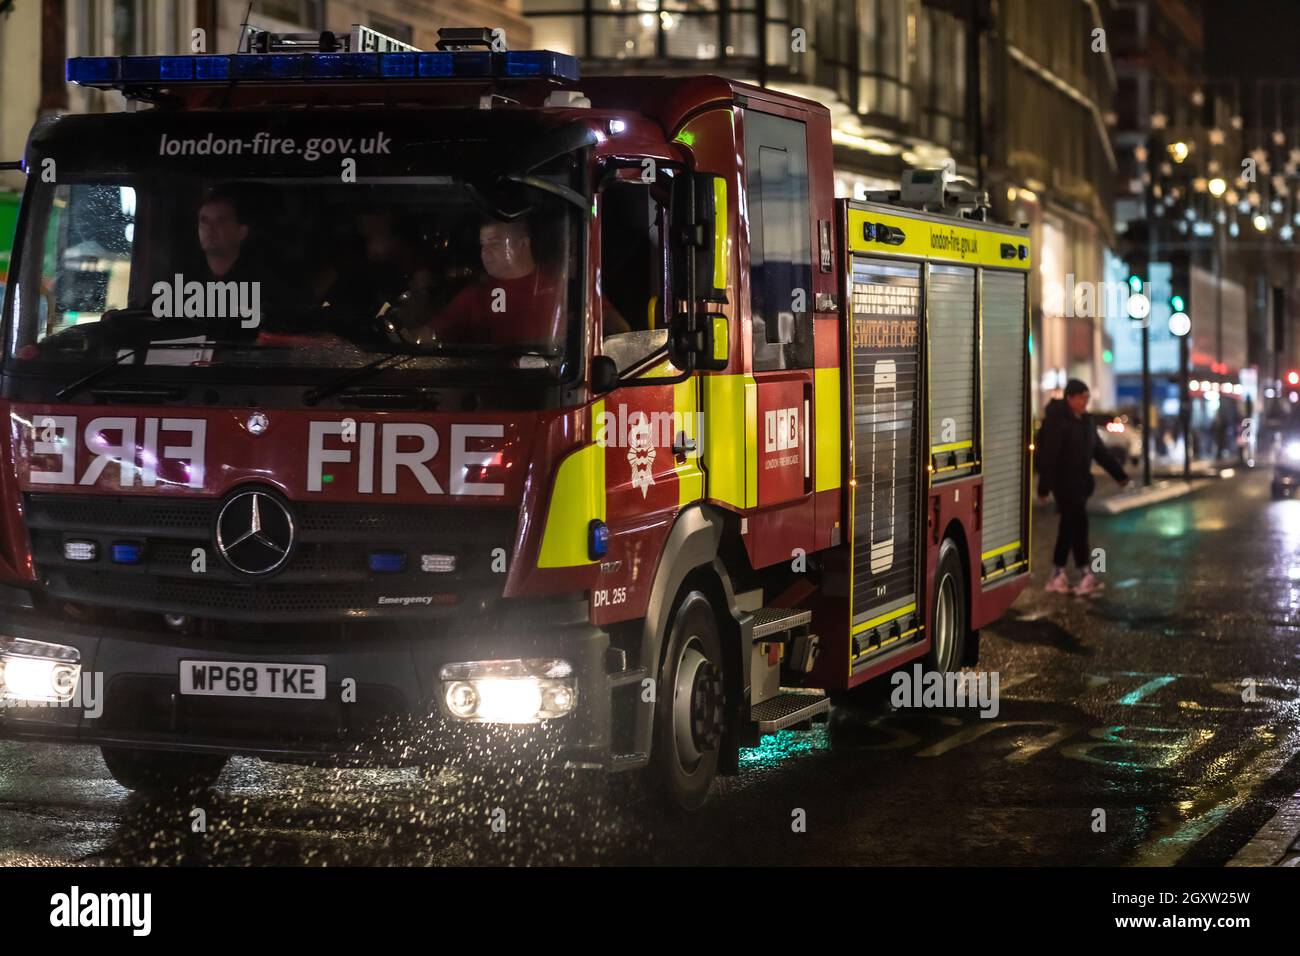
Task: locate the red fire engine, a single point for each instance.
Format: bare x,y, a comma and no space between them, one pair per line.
350,384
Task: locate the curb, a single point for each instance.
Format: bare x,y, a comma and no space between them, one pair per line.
1153,494
1277,843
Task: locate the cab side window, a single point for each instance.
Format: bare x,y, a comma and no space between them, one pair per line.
632,269
780,245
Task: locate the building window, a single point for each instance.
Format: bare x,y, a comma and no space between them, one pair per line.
393,28
126,28
633,29
308,14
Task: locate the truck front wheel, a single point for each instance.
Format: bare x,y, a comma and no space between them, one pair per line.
162,772
689,705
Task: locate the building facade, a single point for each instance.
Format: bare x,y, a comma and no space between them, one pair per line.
1011,92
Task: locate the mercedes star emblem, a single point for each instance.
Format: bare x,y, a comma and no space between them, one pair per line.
257,423
254,532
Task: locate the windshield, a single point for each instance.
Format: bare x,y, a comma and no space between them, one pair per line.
175,265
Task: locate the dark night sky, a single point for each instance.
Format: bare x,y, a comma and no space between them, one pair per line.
1252,38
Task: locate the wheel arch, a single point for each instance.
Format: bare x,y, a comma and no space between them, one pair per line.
692,558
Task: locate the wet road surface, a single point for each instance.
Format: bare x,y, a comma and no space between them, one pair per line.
1157,724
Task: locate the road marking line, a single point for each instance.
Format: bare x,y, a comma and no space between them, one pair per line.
1168,849
1151,686
1270,844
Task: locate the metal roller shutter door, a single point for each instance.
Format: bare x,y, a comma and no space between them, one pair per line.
1003,378
886,381
950,301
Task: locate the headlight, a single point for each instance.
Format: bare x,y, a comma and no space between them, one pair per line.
38,672
508,692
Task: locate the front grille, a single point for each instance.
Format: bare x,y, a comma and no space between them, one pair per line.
327,576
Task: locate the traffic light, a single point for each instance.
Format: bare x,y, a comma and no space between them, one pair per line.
1180,323
1180,280
1293,377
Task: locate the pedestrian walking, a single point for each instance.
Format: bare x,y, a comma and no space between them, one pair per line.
1067,446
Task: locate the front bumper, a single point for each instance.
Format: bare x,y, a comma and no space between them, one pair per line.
129,695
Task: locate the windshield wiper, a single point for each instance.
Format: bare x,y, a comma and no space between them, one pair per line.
100,371
95,374
392,360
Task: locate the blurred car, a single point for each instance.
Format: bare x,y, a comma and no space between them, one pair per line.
1286,466
1121,436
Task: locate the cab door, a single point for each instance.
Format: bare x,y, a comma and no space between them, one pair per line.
781,304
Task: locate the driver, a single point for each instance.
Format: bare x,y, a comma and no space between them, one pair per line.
517,301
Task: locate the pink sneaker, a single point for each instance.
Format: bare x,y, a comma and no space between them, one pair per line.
1058,583
1089,584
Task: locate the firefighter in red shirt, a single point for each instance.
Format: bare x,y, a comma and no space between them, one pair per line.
516,302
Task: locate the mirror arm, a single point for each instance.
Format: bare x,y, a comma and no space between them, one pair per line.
639,381
635,377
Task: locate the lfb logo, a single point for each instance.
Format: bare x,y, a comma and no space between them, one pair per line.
641,455
781,429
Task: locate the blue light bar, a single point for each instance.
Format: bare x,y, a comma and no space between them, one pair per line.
214,67
116,71
528,63
388,562
136,68
93,70
127,552
435,65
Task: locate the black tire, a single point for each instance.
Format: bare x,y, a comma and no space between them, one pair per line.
163,772
689,707
947,633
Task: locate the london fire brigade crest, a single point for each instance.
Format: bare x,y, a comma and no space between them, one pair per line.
641,456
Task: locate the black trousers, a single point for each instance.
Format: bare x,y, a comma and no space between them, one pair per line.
1072,532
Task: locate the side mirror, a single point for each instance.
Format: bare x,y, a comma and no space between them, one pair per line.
698,207
604,374
699,253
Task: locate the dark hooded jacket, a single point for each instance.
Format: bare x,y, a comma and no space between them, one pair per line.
1065,450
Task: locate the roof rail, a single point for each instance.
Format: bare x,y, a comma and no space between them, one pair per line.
931,190
360,40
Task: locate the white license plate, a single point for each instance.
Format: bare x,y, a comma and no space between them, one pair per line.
240,679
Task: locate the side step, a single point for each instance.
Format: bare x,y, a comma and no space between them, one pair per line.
778,620
788,708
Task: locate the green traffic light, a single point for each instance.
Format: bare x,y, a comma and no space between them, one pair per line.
1135,283
1176,303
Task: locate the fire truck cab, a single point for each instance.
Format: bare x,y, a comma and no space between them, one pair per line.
354,387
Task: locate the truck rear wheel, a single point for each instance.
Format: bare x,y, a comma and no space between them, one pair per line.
947,612
689,705
161,772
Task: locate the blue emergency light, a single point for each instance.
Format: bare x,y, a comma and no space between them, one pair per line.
127,552
112,72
